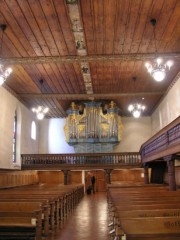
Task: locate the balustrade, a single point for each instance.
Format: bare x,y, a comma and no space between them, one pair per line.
36,161
165,142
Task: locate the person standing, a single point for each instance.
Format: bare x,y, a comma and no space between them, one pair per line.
93,180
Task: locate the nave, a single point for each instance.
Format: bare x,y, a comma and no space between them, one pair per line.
88,221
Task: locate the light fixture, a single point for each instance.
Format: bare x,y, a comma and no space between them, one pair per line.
4,72
136,108
158,68
40,110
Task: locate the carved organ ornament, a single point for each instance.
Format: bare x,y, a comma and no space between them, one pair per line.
93,122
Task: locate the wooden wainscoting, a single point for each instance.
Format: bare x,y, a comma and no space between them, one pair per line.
128,175
57,177
51,177
11,178
76,177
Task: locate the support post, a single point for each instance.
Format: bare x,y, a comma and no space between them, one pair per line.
146,173
108,175
171,172
66,176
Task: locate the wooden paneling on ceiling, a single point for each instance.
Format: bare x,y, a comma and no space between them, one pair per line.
41,34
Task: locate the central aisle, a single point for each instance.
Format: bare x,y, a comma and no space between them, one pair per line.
89,220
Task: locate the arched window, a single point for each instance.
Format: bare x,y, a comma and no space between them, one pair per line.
33,130
14,137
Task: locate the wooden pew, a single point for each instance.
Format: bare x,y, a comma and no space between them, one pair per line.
140,215
25,225
57,201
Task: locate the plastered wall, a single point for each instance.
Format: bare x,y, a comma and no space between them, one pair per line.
168,109
8,105
135,132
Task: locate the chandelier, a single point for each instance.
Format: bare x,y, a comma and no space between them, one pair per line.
40,110
136,108
158,68
4,72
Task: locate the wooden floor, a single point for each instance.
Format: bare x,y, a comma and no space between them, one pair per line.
89,221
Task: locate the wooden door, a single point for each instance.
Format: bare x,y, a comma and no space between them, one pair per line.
100,185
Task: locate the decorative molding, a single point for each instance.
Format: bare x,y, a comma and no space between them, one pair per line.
80,59
77,29
87,96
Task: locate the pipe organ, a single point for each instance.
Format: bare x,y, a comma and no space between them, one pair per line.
92,127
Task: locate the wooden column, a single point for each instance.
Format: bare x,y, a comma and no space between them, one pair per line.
146,173
171,172
108,175
66,176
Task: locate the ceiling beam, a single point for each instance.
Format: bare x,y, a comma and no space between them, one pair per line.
87,96
94,58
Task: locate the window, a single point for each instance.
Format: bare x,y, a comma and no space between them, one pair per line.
14,137
33,130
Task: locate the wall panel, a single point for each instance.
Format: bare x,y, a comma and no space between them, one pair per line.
17,178
128,175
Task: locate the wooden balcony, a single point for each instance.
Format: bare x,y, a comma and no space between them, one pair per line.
80,161
166,142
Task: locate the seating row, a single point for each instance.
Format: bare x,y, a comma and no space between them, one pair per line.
144,212
35,211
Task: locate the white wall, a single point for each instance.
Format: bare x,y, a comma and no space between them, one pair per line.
52,137
168,109
8,105
135,133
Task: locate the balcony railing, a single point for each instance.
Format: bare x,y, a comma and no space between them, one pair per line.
164,143
85,160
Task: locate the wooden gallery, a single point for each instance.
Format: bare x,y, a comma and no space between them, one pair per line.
90,120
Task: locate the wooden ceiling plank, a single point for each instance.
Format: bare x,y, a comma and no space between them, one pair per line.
147,37
24,79
25,7
88,24
98,8
50,70
53,22
58,78
162,23
59,108
43,26
109,22
36,76
43,69
132,23
94,76
122,18
66,27
140,26
16,34
10,47
72,78
65,78
27,30
167,35
79,78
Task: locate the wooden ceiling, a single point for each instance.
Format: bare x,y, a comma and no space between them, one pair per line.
42,42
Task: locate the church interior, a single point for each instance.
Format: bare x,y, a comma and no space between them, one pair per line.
90,119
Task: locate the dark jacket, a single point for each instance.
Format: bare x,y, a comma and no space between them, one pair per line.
93,180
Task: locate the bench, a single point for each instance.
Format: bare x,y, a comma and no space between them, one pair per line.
56,202
26,225
140,214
